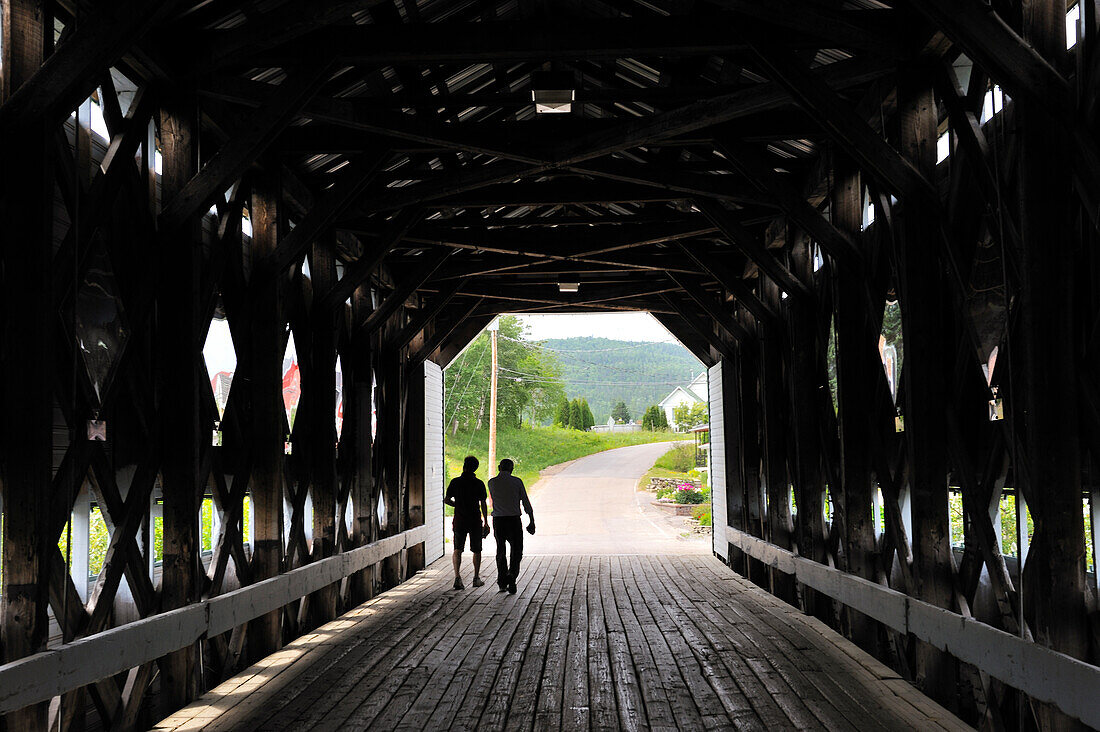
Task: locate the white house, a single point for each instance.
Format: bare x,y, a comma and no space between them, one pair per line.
695,392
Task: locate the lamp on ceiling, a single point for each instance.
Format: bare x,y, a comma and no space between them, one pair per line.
569,286
553,92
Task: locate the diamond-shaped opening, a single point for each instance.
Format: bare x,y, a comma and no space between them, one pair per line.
381,511
292,380
339,397
891,346
221,360
101,331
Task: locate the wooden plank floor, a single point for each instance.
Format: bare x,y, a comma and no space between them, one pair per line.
600,642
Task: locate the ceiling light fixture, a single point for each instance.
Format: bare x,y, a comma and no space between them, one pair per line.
553,92
569,286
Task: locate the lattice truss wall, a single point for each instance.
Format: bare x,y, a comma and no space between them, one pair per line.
109,338
767,179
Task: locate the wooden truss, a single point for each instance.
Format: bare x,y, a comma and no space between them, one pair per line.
761,177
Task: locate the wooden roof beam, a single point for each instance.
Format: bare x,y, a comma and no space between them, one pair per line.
404,290
732,283
755,166
373,254
843,124
428,314
686,333
242,150
70,74
693,288
556,39
324,213
754,249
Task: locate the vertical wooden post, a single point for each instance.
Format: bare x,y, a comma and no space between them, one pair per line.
805,352
389,456
772,374
734,447
266,481
749,387
323,430
361,441
855,401
414,460
180,386
27,340
1054,577
927,330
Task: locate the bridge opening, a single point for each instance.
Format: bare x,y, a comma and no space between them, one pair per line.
574,385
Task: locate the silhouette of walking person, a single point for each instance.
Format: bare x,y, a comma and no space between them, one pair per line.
508,493
465,493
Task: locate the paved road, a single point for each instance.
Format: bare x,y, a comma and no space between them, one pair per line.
590,507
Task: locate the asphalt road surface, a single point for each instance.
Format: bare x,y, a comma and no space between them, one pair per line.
591,507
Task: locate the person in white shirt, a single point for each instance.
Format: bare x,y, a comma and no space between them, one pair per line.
508,494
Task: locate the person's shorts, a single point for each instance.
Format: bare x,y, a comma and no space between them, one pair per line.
467,528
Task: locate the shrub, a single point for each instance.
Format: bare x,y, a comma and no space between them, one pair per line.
702,514
680,459
687,493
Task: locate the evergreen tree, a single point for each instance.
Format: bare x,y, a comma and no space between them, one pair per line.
586,415
620,413
575,418
561,416
651,420
661,418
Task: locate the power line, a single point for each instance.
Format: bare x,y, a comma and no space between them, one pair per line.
566,354
458,402
543,379
635,346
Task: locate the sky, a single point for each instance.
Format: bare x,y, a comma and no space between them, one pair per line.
617,326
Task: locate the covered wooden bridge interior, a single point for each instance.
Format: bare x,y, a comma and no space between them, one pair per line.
377,179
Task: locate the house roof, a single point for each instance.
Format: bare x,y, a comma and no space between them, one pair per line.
683,389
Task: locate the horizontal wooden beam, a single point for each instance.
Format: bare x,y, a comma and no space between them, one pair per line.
546,39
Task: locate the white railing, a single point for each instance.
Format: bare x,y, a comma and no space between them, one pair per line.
1038,671
41,677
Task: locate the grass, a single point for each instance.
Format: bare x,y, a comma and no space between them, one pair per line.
673,464
535,448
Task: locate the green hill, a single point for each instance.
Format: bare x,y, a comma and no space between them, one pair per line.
604,371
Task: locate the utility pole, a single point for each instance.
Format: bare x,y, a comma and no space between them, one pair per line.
493,327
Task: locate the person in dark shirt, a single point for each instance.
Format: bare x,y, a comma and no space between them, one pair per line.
509,494
464,494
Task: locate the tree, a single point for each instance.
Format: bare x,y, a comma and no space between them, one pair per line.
529,380
588,420
575,419
620,413
654,419
561,415
687,416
